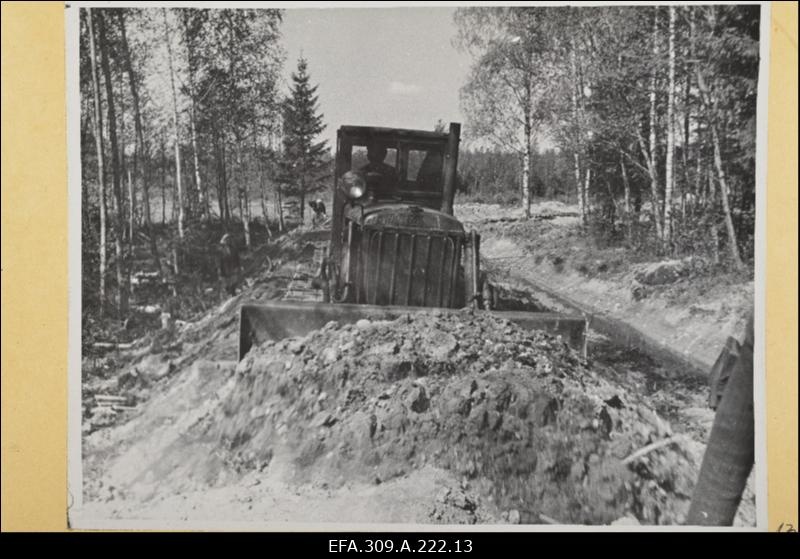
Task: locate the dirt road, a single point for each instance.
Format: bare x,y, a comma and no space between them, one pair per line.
691,314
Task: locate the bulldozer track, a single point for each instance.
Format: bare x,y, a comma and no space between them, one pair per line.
301,287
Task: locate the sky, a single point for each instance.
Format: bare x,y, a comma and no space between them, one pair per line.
392,67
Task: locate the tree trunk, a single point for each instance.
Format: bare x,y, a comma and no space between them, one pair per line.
585,191
264,209
669,178
119,222
163,181
131,227
302,203
101,182
723,191
576,159
698,184
651,171
577,134
712,198
263,200
686,191
200,195
173,205
723,183
242,195
248,213
526,157
124,173
175,129
132,205
687,117
585,135
652,168
627,186
140,152
261,186
279,203
87,229
225,190
220,179
526,174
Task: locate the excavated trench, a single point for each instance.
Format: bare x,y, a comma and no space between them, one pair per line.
620,349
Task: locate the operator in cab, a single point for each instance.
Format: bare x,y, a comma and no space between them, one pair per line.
429,177
383,174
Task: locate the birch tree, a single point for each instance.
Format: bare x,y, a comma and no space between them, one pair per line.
98,137
652,153
502,93
140,161
192,24
668,184
176,136
116,179
577,149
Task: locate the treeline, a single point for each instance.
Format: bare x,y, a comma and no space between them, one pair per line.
653,108
495,176
183,122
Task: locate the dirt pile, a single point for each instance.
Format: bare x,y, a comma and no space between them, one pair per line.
119,378
517,415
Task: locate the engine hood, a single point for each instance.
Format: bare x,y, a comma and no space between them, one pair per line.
407,216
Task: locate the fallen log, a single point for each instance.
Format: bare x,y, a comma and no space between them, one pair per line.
547,520
112,345
102,409
110,398
147,309
654,446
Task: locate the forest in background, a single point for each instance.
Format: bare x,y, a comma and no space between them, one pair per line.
649,115
185,130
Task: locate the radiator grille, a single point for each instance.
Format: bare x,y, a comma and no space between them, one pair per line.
408,267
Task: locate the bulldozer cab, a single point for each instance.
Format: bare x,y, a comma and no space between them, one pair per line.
410,167
413,164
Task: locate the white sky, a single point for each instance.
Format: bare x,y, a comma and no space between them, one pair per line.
391,67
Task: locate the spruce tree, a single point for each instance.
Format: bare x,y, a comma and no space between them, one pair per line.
305,161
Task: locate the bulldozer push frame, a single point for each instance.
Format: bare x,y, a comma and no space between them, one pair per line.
394,246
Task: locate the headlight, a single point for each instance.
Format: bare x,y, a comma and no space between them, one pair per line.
354,185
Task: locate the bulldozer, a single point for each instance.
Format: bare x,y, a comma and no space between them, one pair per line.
393,245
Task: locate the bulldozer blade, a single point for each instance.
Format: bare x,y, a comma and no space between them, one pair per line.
276,320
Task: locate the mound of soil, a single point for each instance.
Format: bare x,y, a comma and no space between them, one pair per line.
132,375
517,415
